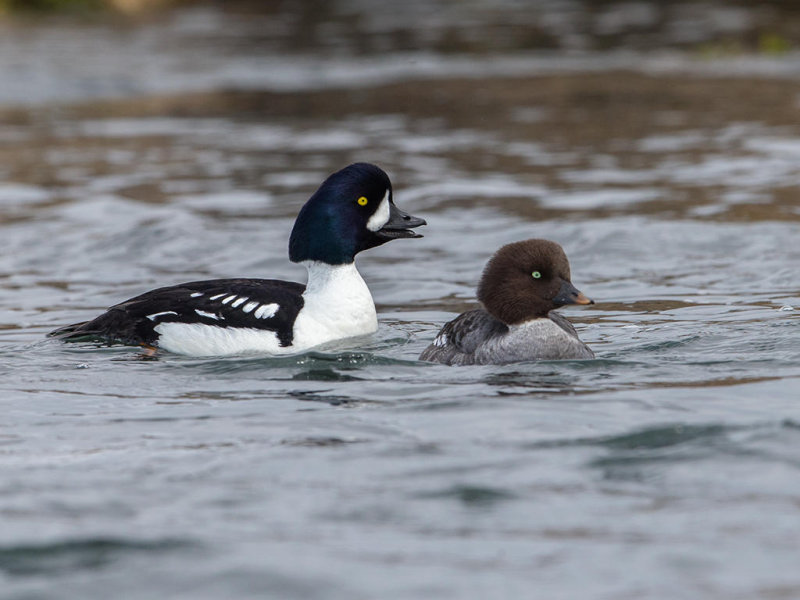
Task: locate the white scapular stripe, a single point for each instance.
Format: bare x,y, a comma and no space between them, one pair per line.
265,311
154,316
196,295
239,301
228,299
381,215
203,313
249,306
216,296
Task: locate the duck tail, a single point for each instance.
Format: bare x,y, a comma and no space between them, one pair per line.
72,333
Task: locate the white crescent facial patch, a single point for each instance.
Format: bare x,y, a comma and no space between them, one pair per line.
381,215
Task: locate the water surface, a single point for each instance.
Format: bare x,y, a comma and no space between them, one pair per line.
665,468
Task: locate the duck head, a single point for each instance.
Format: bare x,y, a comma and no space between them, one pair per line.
526,280
353,210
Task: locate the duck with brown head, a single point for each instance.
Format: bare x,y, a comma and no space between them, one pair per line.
520,287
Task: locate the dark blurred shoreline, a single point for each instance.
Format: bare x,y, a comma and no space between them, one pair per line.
711,29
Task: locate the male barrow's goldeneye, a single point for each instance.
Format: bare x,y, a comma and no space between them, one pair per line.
352,211
520,286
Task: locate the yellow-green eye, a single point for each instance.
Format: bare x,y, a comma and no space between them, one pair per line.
362,201
536,275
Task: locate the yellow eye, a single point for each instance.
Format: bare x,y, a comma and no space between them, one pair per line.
362,201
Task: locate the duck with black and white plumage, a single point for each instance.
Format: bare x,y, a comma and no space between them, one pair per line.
353,210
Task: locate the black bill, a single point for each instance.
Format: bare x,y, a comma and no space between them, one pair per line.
400,225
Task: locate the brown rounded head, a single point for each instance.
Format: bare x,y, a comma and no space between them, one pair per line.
526,280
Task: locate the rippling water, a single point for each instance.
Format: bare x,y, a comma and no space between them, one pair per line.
666,468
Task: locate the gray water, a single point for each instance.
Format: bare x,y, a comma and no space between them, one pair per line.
182,147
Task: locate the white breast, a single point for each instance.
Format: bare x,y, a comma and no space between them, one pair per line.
337,305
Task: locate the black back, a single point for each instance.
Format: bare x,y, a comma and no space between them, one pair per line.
134,321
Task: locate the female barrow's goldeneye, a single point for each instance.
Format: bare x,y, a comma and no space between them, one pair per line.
520,286
352,211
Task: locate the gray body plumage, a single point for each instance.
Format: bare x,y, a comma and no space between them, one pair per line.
478,338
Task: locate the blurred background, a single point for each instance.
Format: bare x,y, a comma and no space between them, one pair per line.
148,142
518,100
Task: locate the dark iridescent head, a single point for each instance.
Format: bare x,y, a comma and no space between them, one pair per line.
526,280
351,211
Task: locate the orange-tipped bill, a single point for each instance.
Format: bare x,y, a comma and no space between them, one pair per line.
569,295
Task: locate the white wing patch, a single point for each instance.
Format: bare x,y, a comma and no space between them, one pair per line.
260,311
265,311
440,341
249,306
203,313
381,215
154,316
